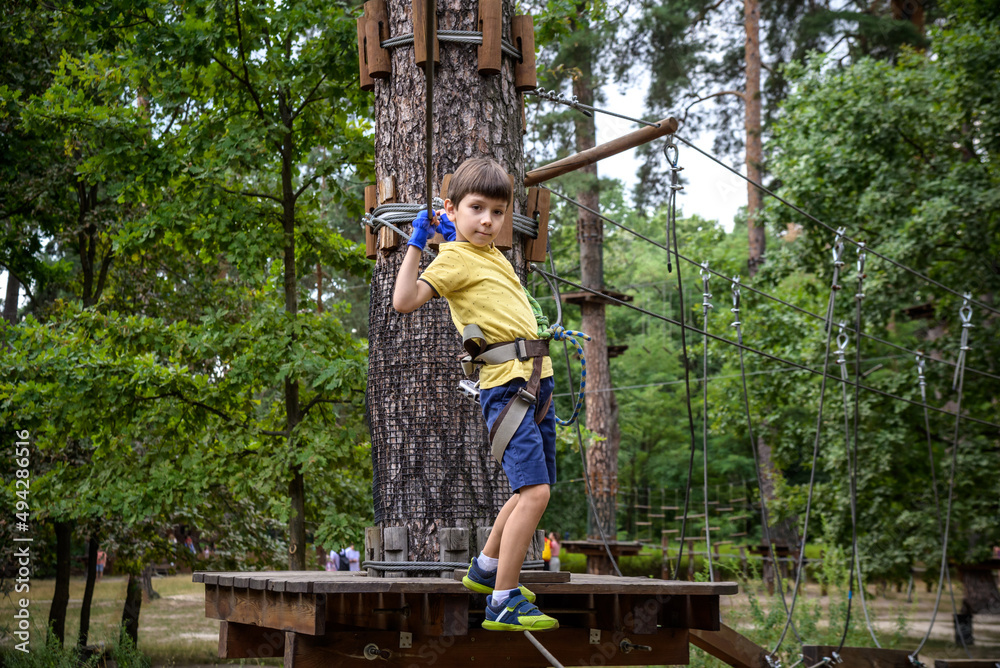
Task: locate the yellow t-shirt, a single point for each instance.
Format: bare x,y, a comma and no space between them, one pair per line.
482,289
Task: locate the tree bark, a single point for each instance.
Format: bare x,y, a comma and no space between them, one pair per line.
146,578
780,533
10,299
601,405
130,613
981,594
88,592
432,466
754,145
60,598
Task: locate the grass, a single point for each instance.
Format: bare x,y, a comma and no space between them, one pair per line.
173,630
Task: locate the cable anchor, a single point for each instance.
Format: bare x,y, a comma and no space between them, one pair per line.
627,646
862,256
705,294
842,340
772,661
965,313
920,376
838,257
735,310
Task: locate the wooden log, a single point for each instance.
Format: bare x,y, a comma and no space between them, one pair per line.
539,200
364,78
371,240
505,240
419,37
387,239
395,544
491,27
590,156
730,647
454,544
523,33
377,31
373,543
858,657
243,641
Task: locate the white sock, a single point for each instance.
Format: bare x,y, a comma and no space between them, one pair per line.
488,564
500,596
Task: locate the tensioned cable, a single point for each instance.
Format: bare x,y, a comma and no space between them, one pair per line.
753,289
672,238
966,315
812,472
579,434
761,353
764,515
585,109
828,227
705,307
457,36
429,26
544,652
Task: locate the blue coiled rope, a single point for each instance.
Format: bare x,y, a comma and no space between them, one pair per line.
560,333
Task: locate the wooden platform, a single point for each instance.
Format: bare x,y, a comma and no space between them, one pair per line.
314,618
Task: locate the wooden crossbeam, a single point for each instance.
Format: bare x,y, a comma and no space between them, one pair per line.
858,657
730,647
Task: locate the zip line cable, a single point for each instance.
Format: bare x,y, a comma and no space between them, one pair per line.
848,239
965,313
762,293
761,353
672,237
705,307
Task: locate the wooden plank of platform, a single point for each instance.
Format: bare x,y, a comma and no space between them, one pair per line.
730,647
243,641
858,657
300,612
570,646
967,663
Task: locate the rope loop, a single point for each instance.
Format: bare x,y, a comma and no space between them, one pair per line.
838,256
735,310
559,333
671,153
842,340
965,314
705,294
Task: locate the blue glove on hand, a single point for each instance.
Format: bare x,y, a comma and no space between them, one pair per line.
424,228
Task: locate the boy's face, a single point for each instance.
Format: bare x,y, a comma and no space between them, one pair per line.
477,219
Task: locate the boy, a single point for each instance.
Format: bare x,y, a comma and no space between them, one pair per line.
482,289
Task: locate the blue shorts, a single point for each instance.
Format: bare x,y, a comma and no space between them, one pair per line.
530,457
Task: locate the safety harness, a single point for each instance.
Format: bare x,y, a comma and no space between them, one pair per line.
481,353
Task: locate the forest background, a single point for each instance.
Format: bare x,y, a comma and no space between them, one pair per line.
179,207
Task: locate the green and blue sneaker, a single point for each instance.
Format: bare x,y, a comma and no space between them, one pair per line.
483,582
517,614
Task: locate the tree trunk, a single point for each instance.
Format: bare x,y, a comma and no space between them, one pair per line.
755,150
130,613
601,406
60,598
981,594
146,578
432,466
10,299
88,591
781,533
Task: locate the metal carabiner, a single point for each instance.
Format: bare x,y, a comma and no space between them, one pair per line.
671,147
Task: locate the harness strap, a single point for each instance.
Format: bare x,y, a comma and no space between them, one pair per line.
506,424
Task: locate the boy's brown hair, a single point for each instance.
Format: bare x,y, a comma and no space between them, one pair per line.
479,176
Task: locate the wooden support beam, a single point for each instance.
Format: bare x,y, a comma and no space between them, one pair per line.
286,611
523,34
364,78
454,547
590,156
371,240
730,647
539,201
243,641
387,239
505,240
858,657
373,535
377,31
395,544
419,15
490,25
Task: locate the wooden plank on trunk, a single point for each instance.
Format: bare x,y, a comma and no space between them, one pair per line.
590,156
364,78
482,648
243,641
395,545
539,200
490,25
377,31
523,32
730,647
371,241
373,546
454,547
419,34
505,239
858,657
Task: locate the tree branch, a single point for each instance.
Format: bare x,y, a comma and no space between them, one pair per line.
309,98
246,84
308,182
208,408
243,58
708,97
24,285
247,193
319,400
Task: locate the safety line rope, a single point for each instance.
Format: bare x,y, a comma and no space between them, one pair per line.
390,215
706,306
757,290
761,353
544,652
831,229
966,315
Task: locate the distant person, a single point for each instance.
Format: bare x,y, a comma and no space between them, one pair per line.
554,548
102,561
333,561
353,558
189,543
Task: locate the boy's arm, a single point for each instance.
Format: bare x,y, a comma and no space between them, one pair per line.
410,293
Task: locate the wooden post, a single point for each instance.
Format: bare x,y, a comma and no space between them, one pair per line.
647,134
371,241
373,549
367,83
490,26
482,535
394,541
538,208
377,31
387,239
505,239
419,38
454,547
523,32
